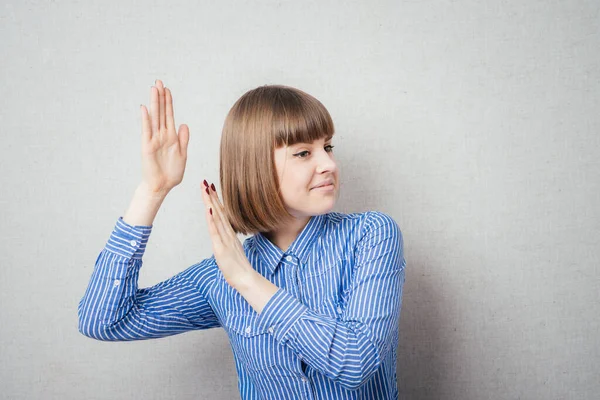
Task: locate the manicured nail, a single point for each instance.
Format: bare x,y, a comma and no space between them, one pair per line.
207,192
210,209
212,186
205,183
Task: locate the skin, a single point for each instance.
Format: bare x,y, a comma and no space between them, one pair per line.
300,168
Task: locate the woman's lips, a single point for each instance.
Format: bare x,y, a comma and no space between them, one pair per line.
325,188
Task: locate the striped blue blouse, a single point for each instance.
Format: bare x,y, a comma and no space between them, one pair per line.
329,332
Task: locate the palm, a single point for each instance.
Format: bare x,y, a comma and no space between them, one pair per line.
164,151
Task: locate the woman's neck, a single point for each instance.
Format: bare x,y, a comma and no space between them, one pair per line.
285,235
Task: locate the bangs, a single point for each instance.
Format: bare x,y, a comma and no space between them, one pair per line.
299,118
263,119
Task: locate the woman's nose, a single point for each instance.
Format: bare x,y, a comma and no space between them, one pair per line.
326,162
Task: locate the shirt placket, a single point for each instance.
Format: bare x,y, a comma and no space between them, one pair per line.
290,269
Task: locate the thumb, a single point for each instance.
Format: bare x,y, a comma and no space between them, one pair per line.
184,139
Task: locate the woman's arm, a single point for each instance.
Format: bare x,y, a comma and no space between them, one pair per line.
349,349
114,309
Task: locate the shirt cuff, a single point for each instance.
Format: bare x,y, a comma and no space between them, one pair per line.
280,314
127,240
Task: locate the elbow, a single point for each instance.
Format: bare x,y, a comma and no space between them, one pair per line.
94,330
355,378
356,382
85,330
91,326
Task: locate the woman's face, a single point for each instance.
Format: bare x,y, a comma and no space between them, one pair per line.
301,168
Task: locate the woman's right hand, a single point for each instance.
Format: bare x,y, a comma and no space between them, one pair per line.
164,151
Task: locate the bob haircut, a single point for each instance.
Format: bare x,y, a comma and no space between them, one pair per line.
262,120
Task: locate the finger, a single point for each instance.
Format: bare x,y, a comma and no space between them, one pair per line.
213,231
169,110
209,212
154,109
206,198
220,211
217,201
161,103
184,139
217,215
146,129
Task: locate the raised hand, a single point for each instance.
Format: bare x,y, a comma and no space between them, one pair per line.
164,150
230,256
227,249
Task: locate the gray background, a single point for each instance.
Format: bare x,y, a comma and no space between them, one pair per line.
474,124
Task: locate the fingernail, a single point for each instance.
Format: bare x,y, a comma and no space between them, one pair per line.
210,209
207,192
212,186
205,183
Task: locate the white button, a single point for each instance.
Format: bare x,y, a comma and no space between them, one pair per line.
271,329
248,330
305,379
133,243
117,282
289,258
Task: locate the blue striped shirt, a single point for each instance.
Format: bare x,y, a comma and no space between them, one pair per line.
329,332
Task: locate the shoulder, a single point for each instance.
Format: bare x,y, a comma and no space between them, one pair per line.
364,223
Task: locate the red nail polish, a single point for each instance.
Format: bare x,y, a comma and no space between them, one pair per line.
207,192
210,209
212,186
205,183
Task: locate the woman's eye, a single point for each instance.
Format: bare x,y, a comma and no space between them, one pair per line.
303,154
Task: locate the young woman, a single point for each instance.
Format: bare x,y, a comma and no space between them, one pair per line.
311,302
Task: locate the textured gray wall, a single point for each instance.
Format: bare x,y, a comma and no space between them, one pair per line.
473,123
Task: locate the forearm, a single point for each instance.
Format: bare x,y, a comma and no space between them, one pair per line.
344,351
255,288
114,309
109,296
144,206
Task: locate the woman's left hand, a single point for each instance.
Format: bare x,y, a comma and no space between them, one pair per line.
227,249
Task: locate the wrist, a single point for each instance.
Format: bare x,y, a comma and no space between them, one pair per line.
144,206
245,278
255,288
150,193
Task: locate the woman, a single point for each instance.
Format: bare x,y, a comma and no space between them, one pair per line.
311,302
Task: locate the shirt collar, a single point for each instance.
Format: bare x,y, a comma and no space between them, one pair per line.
271,255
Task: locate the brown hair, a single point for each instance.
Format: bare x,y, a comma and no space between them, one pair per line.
263,119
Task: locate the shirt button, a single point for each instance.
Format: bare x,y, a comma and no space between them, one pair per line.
304,379
116,282
339,310
133,243
271,329
289,258
248,330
